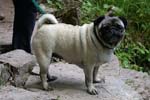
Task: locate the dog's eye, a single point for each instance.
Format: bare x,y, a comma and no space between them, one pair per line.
106,27
119,26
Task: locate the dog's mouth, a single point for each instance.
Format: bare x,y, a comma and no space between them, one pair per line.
112,36
115,39
111,40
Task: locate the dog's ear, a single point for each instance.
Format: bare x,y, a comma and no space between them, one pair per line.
98,20
124,21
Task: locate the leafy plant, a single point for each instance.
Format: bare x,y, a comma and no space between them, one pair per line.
134,52
134,56
55,4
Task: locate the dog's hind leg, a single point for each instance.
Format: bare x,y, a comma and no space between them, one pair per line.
44,61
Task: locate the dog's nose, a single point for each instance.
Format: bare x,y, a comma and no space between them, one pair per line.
117,33
120,35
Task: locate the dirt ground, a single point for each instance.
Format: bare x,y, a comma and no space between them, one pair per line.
120,84
6,10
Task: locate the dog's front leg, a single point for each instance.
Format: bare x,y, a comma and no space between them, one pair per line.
88,71
95,75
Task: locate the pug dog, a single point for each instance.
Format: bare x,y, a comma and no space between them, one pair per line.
87,46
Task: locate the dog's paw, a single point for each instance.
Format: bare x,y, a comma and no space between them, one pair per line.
47,87
92,91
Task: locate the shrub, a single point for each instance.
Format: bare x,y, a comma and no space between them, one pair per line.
134,52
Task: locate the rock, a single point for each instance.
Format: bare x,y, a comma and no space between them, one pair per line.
36,70
17,65
70,83
138,81
4,74
12,93
5,48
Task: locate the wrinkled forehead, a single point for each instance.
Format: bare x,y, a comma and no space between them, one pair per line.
111,21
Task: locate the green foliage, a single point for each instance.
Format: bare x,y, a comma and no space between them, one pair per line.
134,52
134,56
55,4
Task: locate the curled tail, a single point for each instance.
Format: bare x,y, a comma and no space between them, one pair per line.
46,19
